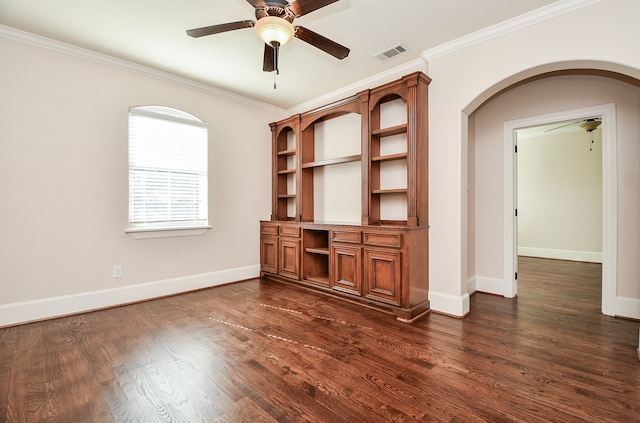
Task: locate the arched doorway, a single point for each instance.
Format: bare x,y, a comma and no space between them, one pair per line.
533,110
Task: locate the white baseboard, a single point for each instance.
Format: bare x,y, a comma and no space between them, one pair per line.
489,285
627,307
472,285
28,311
588,256
449,304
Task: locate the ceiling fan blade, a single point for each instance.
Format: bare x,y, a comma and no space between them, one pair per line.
562,126
256,3
323,43
216,29
302,7
269,62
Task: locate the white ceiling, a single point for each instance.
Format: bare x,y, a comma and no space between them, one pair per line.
152,33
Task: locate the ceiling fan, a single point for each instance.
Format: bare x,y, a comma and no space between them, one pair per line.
274,25
588,125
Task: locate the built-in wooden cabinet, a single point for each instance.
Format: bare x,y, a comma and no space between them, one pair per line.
382,260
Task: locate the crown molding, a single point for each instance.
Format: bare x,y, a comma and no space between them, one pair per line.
542,14
105,59
378,79
528,19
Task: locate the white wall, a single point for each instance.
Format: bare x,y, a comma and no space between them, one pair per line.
64,187
602,35
560,194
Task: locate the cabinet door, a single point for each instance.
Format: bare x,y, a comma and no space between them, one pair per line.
269,254
346,274
382,273
289,258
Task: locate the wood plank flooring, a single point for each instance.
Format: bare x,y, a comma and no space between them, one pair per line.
260,351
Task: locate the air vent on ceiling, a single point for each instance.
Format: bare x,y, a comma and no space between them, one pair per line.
392,52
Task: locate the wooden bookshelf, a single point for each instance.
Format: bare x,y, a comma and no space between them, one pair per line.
382,262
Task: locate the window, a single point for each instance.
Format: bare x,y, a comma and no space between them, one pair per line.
167,171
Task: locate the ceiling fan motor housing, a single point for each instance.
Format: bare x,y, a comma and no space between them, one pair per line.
278,8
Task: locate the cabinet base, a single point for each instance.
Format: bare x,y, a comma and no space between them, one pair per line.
405,315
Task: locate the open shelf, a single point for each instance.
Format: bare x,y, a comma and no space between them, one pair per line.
316,239
390,191
289,152
319,279
327,162
398,156
286,171
315,260
322,251
387,132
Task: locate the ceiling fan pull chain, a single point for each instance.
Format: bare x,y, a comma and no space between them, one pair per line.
276,66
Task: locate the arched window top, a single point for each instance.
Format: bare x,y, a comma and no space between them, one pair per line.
168,113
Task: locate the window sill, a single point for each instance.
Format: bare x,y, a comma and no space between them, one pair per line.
148,233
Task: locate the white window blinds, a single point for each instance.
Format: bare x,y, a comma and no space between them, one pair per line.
167,169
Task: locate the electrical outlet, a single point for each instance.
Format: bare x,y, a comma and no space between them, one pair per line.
117,271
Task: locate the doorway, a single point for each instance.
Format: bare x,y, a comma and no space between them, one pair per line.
609,201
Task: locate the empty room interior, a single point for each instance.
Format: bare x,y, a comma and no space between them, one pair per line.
320,211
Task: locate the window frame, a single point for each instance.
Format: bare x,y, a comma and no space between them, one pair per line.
168,228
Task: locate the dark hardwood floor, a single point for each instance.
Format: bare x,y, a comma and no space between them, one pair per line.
265,352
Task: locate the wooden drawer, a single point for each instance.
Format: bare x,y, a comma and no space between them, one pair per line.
348,236
383,239
269,229
291,231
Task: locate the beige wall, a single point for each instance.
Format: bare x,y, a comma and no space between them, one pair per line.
64,186
544,97
64,229
559,197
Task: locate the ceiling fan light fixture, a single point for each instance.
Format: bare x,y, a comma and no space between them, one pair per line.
274,29
590,124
